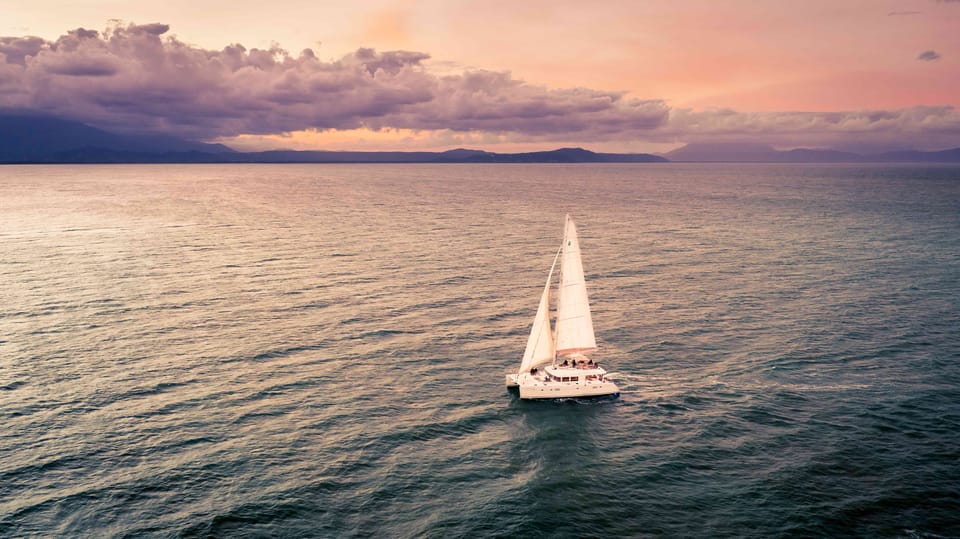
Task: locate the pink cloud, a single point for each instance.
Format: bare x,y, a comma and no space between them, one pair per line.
134,77
137,78
866,130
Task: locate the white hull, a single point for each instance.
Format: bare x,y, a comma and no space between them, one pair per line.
567,390
538,387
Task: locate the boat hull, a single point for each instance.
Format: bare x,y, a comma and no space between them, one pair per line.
566,390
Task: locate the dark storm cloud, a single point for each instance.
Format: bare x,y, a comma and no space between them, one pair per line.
134,77
928,56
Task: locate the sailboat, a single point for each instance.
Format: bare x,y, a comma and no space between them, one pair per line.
554,364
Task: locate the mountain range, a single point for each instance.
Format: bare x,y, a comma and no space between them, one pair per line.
761,153
45,139
35,139
39,139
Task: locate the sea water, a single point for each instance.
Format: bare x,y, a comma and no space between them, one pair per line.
318,351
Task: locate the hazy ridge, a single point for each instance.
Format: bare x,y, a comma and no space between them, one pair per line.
28,139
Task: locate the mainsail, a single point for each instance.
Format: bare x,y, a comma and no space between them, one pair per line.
540,343
574,325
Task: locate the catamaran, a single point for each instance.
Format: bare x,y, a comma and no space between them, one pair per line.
554,365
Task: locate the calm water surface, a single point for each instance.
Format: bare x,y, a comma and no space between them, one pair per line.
318,350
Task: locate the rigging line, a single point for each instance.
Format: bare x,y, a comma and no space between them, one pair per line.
549,278
559,295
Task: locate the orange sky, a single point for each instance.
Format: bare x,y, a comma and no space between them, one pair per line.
751,56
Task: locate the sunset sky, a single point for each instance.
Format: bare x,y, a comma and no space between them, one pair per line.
640,75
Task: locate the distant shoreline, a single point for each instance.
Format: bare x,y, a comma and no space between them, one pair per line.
568,156
35,140
105,156
441,163
90,155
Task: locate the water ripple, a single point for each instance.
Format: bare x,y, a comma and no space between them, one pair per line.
301,350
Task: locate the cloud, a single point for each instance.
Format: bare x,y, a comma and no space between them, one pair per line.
928,56
16,49
137,78
903,13
920,127
494,101
134,77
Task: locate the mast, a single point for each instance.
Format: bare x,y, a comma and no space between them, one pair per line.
556,334
574,329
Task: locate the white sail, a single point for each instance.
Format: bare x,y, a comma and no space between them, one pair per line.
540,343
574,325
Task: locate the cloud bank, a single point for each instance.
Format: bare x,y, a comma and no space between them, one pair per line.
925,127
134,77
138,78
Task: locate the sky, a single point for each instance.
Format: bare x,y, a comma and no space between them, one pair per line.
639,75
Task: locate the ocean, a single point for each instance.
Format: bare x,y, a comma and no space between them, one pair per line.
319,351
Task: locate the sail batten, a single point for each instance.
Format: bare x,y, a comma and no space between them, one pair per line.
574,330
